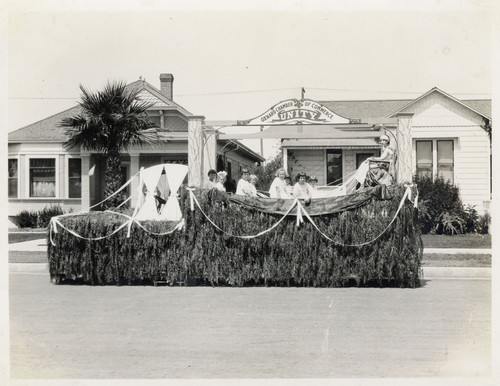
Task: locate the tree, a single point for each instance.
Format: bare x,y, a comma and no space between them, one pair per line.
110,121
267,172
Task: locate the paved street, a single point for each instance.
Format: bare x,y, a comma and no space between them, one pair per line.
440,330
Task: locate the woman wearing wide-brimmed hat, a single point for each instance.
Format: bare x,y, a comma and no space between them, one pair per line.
378,172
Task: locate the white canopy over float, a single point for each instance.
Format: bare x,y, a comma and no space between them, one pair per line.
160,183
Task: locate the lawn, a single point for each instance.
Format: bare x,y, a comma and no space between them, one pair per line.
16,237
471,240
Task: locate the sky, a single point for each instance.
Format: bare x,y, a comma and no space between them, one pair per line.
232,61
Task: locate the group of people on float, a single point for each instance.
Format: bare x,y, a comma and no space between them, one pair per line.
245,186
303,189
374,171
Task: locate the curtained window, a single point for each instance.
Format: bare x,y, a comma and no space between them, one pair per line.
334,167
436,158
13,178
74,178
445,160
42,177
424,159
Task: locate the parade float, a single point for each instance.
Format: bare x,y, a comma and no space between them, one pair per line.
178,233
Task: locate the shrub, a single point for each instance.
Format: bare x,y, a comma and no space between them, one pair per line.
471,219
38,219
440,207
483,223
27,219
47,213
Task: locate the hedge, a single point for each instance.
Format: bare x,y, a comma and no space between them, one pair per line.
202,255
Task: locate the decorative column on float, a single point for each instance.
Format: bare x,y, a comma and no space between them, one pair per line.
404,172
195,150
85,192
134,169
209,153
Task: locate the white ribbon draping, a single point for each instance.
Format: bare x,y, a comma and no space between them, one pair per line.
245,236
56,223
180,225
405,196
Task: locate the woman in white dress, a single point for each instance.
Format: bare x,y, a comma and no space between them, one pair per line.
221,180
378,167
302,190
278,186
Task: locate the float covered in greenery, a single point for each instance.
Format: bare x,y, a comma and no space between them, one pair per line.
375,243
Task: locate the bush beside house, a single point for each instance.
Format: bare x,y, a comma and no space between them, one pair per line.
441,210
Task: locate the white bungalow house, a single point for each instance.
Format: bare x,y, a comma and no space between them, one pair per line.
43,173
450,138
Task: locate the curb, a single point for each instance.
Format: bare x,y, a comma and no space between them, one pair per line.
456,272
457,251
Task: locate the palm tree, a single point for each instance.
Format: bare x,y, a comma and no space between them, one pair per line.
110,121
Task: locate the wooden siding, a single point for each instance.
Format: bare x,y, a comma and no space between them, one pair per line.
310,161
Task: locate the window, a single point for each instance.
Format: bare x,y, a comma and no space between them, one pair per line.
435,157
13,178
43,177
74,178
445,160
361,157
424,159
334,167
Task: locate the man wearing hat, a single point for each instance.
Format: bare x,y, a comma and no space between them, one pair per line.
243,188
212,179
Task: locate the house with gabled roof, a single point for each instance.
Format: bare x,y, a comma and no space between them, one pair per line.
450,138
42,173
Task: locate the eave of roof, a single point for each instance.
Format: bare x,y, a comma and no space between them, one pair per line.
435,89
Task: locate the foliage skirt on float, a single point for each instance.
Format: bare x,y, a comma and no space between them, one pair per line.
374,241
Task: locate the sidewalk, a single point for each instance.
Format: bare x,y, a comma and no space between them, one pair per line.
39,245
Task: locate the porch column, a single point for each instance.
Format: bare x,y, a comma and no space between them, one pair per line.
285,159
195,150
162,119
404,172
62,175
85,181
23,172
209,153
134,169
